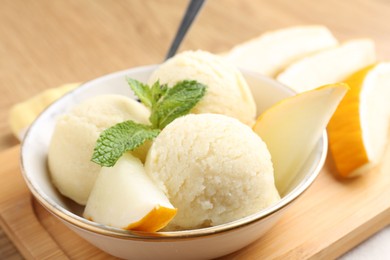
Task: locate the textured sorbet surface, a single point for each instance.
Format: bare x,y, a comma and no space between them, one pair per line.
213,168
227,92
75,136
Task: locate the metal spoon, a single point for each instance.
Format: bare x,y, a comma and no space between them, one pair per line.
192,11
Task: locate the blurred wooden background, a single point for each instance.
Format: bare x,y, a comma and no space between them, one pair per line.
46,43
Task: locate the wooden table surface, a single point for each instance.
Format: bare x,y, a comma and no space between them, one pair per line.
46,43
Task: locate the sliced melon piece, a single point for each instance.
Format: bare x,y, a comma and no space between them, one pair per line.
124,197
329,66
271,52
292,127
358,131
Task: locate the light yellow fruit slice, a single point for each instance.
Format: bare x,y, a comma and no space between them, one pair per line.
271,52
358,131
329,66
24,113
124,197
292,127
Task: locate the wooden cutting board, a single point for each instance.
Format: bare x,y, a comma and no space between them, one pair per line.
330,218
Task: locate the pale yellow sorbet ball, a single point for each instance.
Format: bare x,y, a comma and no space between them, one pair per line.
213,168
75,136
227,93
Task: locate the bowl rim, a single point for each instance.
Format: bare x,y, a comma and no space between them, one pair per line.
82,223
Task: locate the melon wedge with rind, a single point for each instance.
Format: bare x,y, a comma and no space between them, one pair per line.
125,197
329,66
358,131
292,127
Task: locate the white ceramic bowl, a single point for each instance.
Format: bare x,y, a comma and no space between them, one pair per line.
193,244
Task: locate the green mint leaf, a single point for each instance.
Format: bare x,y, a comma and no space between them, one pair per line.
142,91
120,138
158,91
166,105
178,101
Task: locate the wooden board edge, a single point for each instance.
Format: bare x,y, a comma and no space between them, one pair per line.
355,237
18,219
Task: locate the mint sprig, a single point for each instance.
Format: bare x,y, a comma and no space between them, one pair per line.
166,104
142,91
158,92
178,101
122,137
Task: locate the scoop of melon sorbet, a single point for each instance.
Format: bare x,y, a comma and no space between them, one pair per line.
74,138
213,168
227,91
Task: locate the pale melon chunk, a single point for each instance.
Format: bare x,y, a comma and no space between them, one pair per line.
292,128
124,197
271,52
329,66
